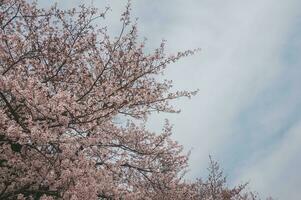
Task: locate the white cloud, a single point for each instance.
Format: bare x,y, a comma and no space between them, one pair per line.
276,172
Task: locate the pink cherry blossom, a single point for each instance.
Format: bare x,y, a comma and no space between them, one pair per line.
63,83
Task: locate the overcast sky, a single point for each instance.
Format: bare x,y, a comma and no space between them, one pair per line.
247,113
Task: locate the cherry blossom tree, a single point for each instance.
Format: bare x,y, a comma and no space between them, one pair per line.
63,83
215,186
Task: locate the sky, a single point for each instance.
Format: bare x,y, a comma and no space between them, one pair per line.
247,112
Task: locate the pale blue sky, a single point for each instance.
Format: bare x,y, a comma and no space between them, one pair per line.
247,113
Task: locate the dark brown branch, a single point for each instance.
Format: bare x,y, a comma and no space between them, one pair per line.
11,19
13,113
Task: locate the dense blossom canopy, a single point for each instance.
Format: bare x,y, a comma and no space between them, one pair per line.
63,83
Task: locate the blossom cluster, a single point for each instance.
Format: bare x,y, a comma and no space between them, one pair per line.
63,82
